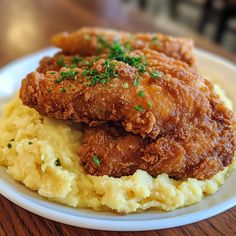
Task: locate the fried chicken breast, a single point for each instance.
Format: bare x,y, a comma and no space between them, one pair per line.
147,100
93,41
197,150
144,109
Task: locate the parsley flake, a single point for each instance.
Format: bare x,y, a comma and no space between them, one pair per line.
126,85
30,143
156,74
63,90
138,108
57,162
60,62
156,41
136,82
9,145
66,75
76,60
96,160
141,94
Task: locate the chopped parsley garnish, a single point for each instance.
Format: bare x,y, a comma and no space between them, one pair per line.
156,74
57,162
96,160
138,108
126,85
141,94
76,60
118,53
66,75
102,43
53,73
30,143
136,82
95,77
156,41
9,145
128,46
63,90
60,61
142,67
12,140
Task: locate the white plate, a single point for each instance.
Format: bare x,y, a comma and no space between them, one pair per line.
10,76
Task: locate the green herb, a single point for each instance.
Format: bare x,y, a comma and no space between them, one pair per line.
128,46
66,75
118,53
76,60
9,145
60,61
156,40
138,108
141,94
142,67
149,104
53,72
30,143
12,140
136,82
87,37
57,162
156,74
126,85
102,43
96,160
95,77
63,90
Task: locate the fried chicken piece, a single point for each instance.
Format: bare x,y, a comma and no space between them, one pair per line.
198,151
150,103
93,41
108,150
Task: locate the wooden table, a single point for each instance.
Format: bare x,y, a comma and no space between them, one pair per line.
26,26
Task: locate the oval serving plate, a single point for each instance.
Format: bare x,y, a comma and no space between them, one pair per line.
222,71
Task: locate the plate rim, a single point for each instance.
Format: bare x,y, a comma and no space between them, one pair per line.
20,199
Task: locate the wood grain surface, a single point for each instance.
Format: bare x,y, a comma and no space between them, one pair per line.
26,26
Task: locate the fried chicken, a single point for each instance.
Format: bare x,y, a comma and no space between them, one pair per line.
92,41
145,110
192,151
165,95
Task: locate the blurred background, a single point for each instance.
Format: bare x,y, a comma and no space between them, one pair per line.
215,19
27,25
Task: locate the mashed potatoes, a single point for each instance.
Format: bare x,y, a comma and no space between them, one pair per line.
42,154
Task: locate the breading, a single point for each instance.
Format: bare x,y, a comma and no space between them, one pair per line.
145,109
93,41
191,151
164,95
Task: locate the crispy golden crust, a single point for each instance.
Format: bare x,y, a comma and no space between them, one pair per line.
91,41
188,152
168,102
173,122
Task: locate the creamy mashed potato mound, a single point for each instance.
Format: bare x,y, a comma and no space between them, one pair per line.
42,154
